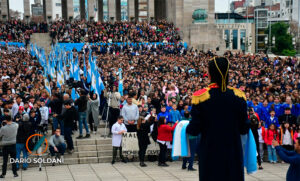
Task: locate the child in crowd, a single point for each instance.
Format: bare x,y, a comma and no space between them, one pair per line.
272,120
44,115
117,130
261,134
270,135
287,137
143,129
164,139
297,134
175,114
164,113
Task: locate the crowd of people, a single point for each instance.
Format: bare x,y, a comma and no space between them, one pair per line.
94,32
19,31
158,84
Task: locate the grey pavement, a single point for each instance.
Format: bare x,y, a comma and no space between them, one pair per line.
132,172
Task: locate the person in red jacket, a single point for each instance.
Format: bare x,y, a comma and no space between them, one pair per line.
164,139
270,135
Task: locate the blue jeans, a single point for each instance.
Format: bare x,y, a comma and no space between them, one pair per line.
61,149
82,120
193,146
61,124
20,147
272,157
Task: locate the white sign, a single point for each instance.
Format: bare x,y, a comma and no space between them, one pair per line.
130,145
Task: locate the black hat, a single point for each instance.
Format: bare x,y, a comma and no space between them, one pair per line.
218,68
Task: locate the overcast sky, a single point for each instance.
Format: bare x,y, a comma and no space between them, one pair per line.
220,5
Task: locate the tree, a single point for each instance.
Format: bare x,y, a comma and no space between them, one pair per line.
284,42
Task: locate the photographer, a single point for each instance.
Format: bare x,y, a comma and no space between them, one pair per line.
113,98
254,122
9,134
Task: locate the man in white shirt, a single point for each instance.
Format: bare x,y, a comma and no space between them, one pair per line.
117,131
130,112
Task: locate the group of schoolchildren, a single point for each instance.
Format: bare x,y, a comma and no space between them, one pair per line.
161,127
275,122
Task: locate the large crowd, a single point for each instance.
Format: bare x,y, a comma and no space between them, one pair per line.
94,32
19,31
158,84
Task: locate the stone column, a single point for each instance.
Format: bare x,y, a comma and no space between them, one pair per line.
91,10
82,9
4,9
26,10
151,14
100,10
64,9
131,10
211,11
111,10
47,6
70,9
118,10
136,9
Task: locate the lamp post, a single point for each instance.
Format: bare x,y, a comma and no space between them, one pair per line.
294,42
266,44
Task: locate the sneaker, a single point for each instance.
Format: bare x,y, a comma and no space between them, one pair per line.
183,167
142,164
191,169
79,137
24,168
87,136
94,132
16,175
113,162
2,176
70,151
260,168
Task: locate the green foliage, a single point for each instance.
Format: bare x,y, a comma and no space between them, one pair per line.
286,52
284,41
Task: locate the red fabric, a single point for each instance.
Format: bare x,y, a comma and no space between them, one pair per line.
165,132
269,136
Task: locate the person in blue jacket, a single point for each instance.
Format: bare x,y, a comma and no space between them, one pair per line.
174,114
256,106
272,120
265,111
289,103
277,107
165,114
291,157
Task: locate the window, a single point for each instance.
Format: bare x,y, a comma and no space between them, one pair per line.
235,39
57,4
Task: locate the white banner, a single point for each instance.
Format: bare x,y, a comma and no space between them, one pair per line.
130,145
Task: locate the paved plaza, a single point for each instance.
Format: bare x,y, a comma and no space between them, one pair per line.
132,171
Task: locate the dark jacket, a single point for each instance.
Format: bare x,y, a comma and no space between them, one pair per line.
24,131
293,159
68,117
81,102
291,119
35,122
225,113
56,106
142,134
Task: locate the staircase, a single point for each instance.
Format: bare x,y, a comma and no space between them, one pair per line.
42,40
95,149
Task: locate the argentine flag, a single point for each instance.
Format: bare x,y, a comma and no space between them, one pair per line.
120,82
74,94
60,78
47,86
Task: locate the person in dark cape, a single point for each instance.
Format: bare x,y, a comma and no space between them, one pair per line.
219,114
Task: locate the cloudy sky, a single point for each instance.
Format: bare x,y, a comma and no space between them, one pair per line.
220,5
